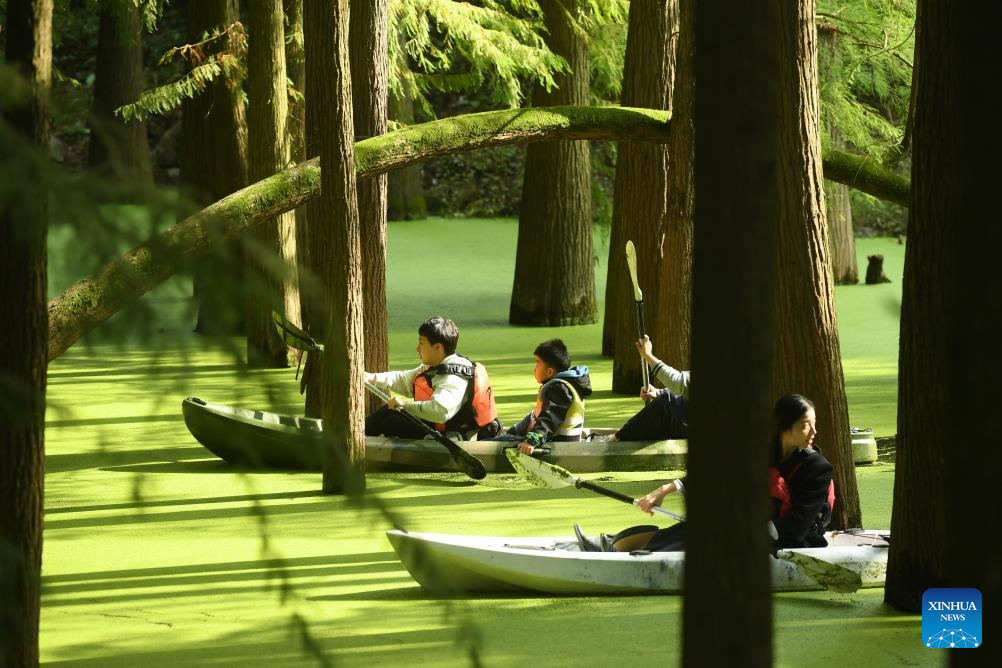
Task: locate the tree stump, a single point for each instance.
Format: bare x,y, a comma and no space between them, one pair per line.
875,270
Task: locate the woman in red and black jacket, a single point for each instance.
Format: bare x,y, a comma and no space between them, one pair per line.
800,483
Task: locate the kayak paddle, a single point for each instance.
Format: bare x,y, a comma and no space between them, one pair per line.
466,462
550,475
638,298
832,576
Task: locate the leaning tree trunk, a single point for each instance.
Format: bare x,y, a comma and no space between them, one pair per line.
272,283
93,300
120,148
841,240
335,377
727,573
214,164
807,357
405,187
674,304
23,275
369,71
640,191
554,264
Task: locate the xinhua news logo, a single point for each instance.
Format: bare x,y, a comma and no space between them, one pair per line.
951,618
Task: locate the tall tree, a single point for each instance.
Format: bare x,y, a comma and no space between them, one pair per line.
808,359
737,209
673,303
641,189
272,282
335,389
24,144
841,240
368,36
120,147
214,164
948,360
554,263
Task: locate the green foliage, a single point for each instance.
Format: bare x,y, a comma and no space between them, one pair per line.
222,52
607,56
451,46
865,52
481,184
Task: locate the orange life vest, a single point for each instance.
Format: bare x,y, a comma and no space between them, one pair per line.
478,409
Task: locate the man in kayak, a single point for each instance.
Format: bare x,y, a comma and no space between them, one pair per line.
560,407
665,414
800,482
450,392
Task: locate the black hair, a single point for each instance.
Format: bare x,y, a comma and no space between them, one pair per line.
554,353
787,412
440,330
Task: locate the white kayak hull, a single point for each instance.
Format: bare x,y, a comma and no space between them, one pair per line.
451,564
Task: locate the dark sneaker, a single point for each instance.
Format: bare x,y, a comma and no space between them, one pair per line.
586,544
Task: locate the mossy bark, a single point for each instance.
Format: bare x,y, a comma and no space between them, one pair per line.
640,192
93,300
554,263
807,356
24,146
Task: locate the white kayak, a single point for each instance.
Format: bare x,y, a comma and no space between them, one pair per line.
452,564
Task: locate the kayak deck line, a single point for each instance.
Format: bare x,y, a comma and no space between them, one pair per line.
262,440
449,564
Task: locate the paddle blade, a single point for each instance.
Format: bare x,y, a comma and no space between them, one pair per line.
293,336
631,262
831,576
537,472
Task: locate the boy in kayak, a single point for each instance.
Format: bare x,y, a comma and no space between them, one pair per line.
800,483
450,392
559,411
665,414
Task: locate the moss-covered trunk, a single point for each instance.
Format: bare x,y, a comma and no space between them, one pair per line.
808,359
93,300
24,148
640,192
554,262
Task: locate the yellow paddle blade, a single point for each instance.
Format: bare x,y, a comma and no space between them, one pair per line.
538,472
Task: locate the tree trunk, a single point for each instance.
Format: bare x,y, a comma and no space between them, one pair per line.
807,359
369,71
727,573
554,264
121,149
272,284
93,300
23,228
295,66
919,519
214,164
841,240
969,109
640,191
335,377
405,189
675,298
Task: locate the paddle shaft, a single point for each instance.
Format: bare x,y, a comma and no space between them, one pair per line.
625,498
644,373
467,463
638,299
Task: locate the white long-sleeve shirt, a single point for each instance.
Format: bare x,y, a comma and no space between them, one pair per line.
448,390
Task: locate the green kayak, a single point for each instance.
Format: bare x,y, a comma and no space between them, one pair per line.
263,440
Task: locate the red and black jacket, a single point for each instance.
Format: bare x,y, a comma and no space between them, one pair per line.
803,495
